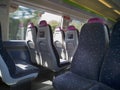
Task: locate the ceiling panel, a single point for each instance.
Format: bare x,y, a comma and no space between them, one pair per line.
94,6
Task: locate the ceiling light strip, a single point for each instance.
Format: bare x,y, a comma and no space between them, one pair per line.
75,3
105,3
118,12
88,9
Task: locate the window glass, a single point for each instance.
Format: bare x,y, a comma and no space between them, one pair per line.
77,24
19,20
52,19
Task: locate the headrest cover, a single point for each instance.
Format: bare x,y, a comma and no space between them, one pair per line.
71,27
43,23
96,20
30,25
58,29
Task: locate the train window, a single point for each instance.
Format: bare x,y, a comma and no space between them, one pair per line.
52,19
19,20
77,24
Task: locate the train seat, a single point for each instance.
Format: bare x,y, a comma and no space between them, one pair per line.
13,73
87,60
110,73
59,42
98,20
71,41
48,53
31,35
31,32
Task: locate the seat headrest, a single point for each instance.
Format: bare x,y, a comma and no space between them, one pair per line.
30,25
96,20
43,23
71,27
58,29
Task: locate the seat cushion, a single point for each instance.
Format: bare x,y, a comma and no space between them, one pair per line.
71,81
100,86
23,68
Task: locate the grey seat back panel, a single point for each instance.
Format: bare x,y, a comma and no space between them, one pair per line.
71,42
31,35
48,58
59,43
47,51
90,52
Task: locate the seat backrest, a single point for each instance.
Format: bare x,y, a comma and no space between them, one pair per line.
95,20
59,42
71,41
89,55
47,51
12,72
31,32
110,72
31,35
7,65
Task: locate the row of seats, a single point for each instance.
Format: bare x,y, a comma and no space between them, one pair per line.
96,63
66,42
42,46
14,72
44,53
50,48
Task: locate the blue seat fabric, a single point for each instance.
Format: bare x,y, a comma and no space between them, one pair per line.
71,81
100,86
110,72
90,52
86,63
12,65
109,78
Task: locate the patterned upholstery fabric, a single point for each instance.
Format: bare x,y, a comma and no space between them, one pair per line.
86,63
90,52
100,86
71,81
110,72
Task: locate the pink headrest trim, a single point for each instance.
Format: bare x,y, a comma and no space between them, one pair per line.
96,20
71,27
30,25
43,23
58,29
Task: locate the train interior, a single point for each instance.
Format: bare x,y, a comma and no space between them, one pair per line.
59,44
